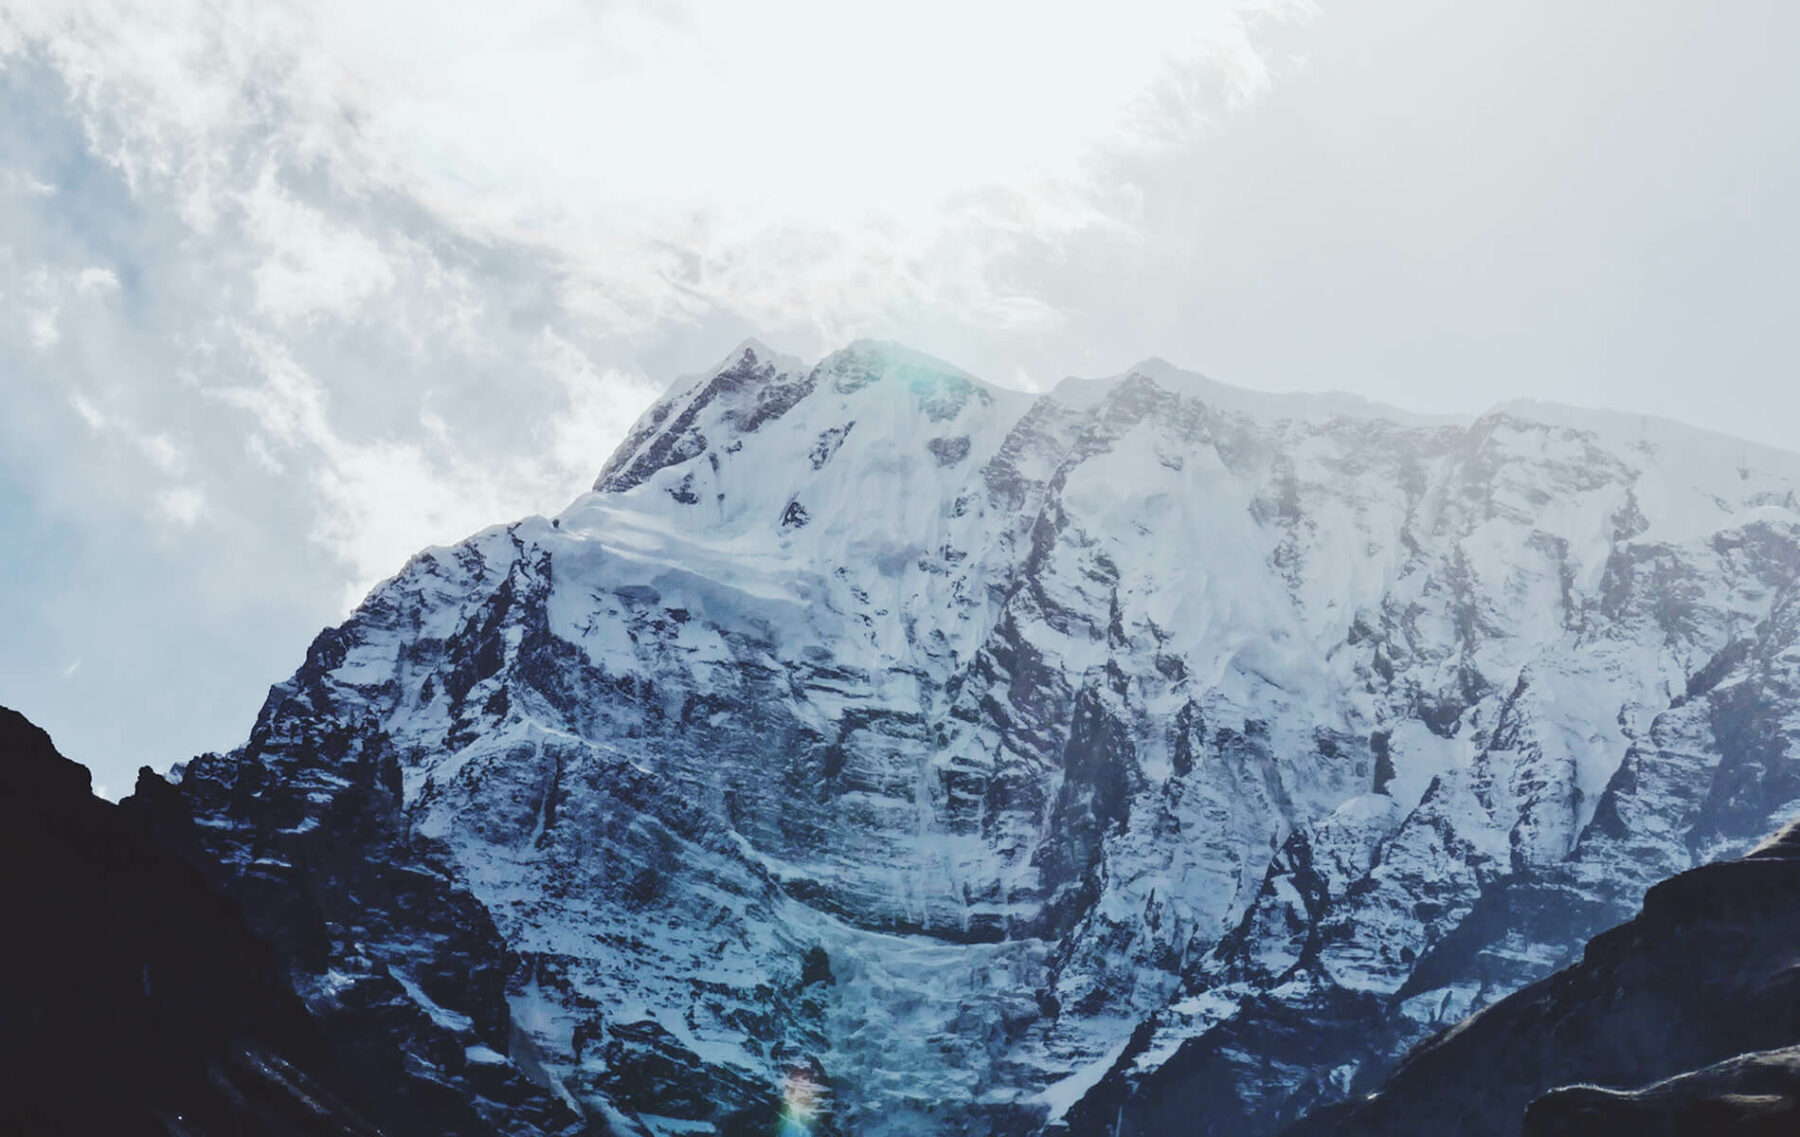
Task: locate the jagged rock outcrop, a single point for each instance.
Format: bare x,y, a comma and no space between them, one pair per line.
1697,994
402,965
1751,1095
134,999
1143,753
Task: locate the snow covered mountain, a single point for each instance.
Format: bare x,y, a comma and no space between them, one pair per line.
893,753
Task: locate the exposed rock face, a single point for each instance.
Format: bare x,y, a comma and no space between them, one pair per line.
1697,994
1148,752
134,1000
373,925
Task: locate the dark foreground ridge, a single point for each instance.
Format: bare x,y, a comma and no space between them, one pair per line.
133,997
1684,1022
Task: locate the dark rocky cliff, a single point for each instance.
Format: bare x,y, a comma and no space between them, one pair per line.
1700,995
134,998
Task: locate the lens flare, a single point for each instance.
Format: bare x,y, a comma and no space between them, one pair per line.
802,1100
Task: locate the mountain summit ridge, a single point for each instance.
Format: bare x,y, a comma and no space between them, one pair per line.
1005,760
1311,405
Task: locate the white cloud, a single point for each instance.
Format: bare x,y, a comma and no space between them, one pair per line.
182,505
14,179
379,501
90,414
260,453
95,281
49,289
599,405
799,162
163,452
43,330
309,265
288,403
800,109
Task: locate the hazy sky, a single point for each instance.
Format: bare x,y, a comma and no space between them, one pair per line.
289,291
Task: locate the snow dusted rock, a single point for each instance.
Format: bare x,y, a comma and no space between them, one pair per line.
994,763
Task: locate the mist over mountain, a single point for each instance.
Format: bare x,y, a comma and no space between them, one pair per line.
879,751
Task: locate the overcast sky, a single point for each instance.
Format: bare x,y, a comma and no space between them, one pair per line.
289,291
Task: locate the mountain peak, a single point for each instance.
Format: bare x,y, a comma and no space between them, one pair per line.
749,386
753,352
754,386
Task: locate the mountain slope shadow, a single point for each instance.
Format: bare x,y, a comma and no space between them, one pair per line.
1699,995
134,998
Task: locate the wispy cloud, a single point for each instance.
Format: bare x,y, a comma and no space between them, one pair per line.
289,290
181,505
795,160
367,210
